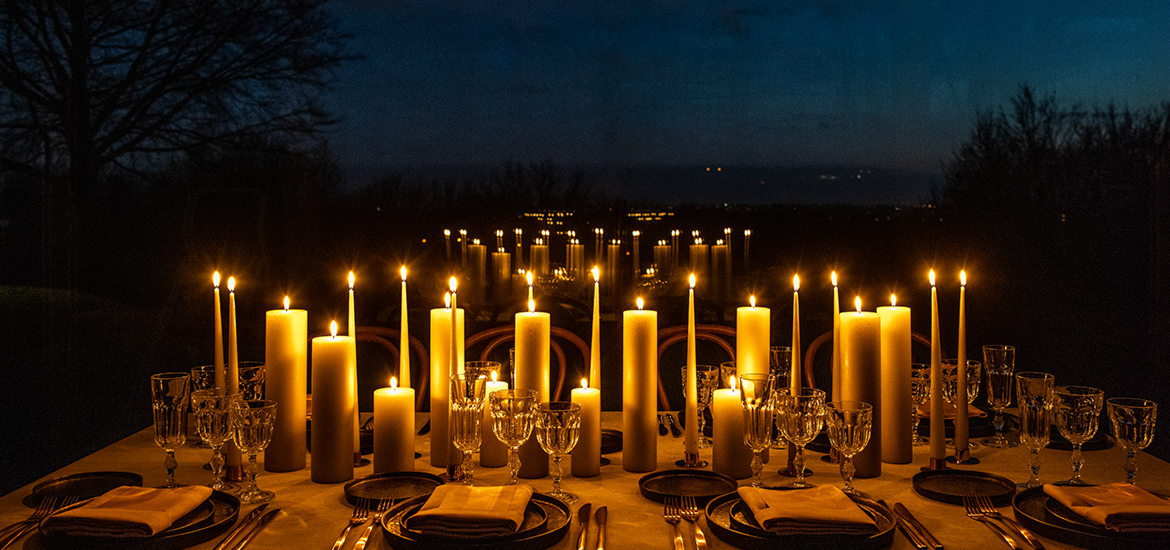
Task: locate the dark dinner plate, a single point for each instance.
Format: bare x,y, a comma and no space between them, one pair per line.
704,485
1040,513
727,520
394,486
611,441
554,529
212,518
951,486
535,521
82,486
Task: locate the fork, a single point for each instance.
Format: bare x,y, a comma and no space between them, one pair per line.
383,505
983,502
690,512
360,513
974,513
670,513
47,507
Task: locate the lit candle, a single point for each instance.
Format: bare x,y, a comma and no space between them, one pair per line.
639,385
729,455
285,362
454,457
441,364
662,255
477,261
576,258
794,377
753,339
463,247
700,258
231,453
720,278
691,436
962,443
393,429
218,359
538,257
352,318
528,275
502,274
357,421
595,343
747,248
637,252
586,456
447,238
836,364
938,450
492,452
896,358
404,337
334,366
532,371
861,380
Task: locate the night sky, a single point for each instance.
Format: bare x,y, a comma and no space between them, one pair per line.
852,83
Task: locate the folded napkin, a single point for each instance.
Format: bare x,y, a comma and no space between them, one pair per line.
1121,507
949,411
819,510
127,512
468,512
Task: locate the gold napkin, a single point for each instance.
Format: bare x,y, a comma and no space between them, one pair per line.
468,512
949,411
819,510
127,512
1120,506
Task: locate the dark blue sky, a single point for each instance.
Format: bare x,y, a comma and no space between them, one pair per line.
753,82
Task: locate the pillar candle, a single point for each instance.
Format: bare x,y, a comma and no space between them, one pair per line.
519,247
595,342
218,359
539,258
691,436
962,444
334,365
861,379
897,444
441,379
532,371
492,452
662,256
700,260
794,378
720,264
639,388
404,338
393,429
286,378
637,253
673,250
747,249
753,339
502,274
586,456
477,261
576,259
231,384
729,455
598,251
938,450
836,364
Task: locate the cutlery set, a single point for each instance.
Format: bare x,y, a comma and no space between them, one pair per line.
583,518
254,523
980,508
48,505
676,509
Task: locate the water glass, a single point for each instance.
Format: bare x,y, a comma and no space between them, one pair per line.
1035,400
1133,426
169,392
468,391
919,391
756,395
214,427
850,424
251,422
780,365
558,425
513,413
1077,411
801,414
706,380
999,361
203,378
950,369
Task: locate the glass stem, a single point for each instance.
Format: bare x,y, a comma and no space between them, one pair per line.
798,463
253,469
702,422
757,467
467,468
170,464
1034,466
1077,461
916,440
1130,467
514,464
847,471
217,466
556,474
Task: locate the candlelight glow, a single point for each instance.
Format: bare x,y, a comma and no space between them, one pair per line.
231,284
393,383
446,232
932,277
893,300
495,376
402,272
447,300
833,276
596,274
351,280
857,302
584,383
731,380
528,275
963,277
215,279
640,303
692,281
286,304
796,283
454,283
752,300
531,306
333,329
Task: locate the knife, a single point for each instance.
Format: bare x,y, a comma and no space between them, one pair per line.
260,525
921,529
673,427
599,515
247,521
583,517
904,526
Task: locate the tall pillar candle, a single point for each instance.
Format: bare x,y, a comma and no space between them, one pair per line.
538,261
836,361
753,339
729,455
576,259
639,388
231,384
938,450
334,365
613,262
404,338
861,379
637,250
286,343
532,371
393,429
897,444
701,260
720,267
662,256
502,275
492,452
962,442
595,341
586,456
477,276
441,380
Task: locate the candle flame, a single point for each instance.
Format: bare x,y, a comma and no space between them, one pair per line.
453,284
286,304
531,306
584,383
446,232
963,277
796,283
932,277
215,279
402,271
596,274
528,275
447,300
731,380
495,375
752,300
857,302
333,329
833,276
640,303
893,300
351,280
231,284
692,281
393,383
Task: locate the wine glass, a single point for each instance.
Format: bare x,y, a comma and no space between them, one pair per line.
558,425
214,428
1077,410
1133,426
780,365
706,379
726,371
850,424
168,397
999,361
801,413
251,380
919,391
1034,398
950,369
756,397
513,412
252,430
468,391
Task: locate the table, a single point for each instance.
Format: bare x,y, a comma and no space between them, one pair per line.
314,514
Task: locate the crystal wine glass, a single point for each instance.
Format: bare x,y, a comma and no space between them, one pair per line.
1034,398
558,425
756,397
950,369
801,417
1133,426
1077,410
780,365
252,430
214,428
919,391
850,424
468,391
251,380
513,413
168,397
707,379
999,361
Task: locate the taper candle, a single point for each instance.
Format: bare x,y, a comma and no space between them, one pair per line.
691,435
639,384
393,429
218,359
938,450
836,361
794,378
454,456
232,460
357,421
595,341
404,338
962,442
286,364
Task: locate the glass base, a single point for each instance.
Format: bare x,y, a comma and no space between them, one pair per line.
1001,443
699,464
223,486
567,498
256,497
704,442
